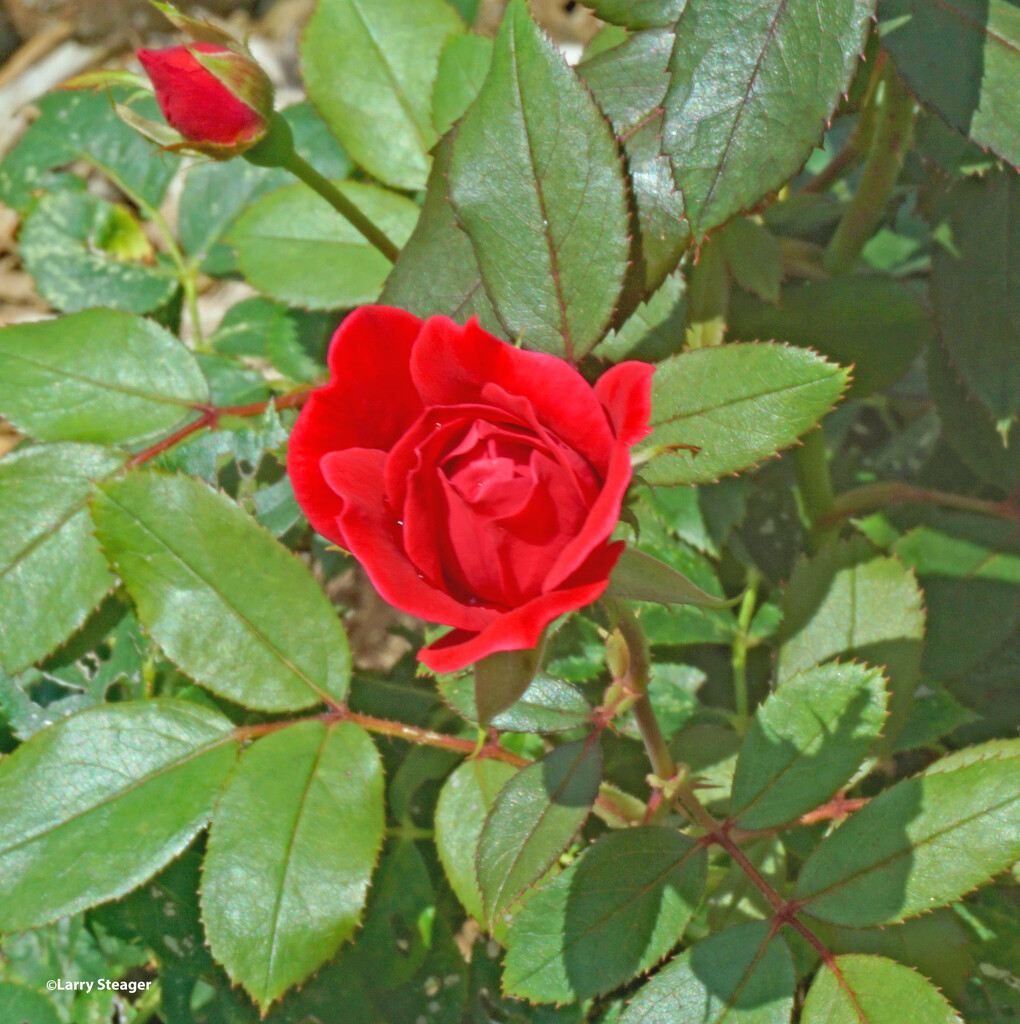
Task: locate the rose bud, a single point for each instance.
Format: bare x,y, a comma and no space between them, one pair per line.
478,484
216,97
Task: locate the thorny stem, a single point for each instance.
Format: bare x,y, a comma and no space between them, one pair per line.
872,497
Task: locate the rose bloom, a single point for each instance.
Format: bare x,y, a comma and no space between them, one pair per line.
477,483
201,107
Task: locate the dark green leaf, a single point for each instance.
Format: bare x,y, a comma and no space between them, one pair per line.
638,13
83,251
920,844
127,787
861,989
389,54
548,705
612,914
293,246
934,713
265,329
52,573
188,556
463,65
294,840
543,198
851,602
739,976
739,404
501,679
532,822
641,577
806,741
739,70
72,125
437,272
99,375
465,801
961,57
874,324
20,1003
654,331
974,288
756,262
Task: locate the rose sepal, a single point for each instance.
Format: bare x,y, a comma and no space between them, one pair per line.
640,577
167,138
501,679
200,31
106,78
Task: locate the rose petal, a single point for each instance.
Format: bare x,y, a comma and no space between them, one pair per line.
452,364
521,628
373,537
369,402
626,392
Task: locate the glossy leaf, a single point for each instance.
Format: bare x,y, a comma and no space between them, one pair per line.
851,602
94,805
294,247
186,555
99,375
83,251
463,65
805,742
738,71
920,844
437,271
52,572
465,800
962,57
861,989
537,184
974,289
739,404
874,324
533,820
615,912
291,850
389,55
548,705
737,976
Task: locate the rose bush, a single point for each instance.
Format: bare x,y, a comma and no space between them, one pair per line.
214,96
477,483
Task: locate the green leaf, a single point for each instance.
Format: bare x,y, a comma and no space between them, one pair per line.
806,741
127,787
654,331
293,246
874,324
934,713
614,913
389,54
851,602
466,798
99,375
739,404
755,261
738,71
974,289
862,989
637,13
532,822
294,840
536,181
188,557
265,329
629,84
739,976
21,1003
463,65
52,573
641,577
501,679
961,57
437,272
920,844
69,245
968,425
548,705
73,125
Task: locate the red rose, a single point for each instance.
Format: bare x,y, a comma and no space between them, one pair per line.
477,483
225,104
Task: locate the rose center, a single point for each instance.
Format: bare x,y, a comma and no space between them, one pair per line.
491,472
